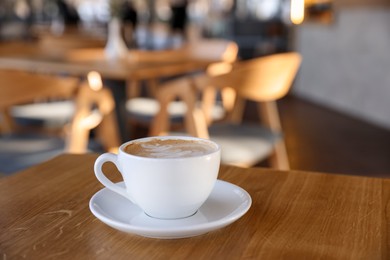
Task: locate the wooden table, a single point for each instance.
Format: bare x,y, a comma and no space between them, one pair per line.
136,66
295,215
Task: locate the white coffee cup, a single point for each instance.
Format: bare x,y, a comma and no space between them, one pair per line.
165,184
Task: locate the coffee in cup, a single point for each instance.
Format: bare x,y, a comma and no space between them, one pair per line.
168,177
169,148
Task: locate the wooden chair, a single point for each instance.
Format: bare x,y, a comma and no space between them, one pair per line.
20,148
262,80
143,109
56,113
19,88
94,109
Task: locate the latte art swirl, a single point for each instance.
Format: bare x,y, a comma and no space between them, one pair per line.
169,148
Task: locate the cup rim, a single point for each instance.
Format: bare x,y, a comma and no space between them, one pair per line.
217,146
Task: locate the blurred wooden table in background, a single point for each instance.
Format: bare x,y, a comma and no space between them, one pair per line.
33,56
60,57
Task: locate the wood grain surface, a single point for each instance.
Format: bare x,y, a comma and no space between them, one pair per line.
79,61
44,214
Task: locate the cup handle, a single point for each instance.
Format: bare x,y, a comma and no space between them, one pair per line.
109,157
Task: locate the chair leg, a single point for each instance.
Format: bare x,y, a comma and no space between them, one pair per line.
77,141
108,133
161,123
237,112
196,124
270,117
195,119
228,98
208,101
279,160
152,86
133,88
7,123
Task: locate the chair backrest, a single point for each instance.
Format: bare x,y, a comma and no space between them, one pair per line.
23,87
17,87
261,79
213,49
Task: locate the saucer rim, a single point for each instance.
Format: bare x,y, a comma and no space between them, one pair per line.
161,232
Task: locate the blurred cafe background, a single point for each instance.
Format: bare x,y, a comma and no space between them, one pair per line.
335,117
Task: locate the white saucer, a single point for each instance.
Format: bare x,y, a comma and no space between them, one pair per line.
226,204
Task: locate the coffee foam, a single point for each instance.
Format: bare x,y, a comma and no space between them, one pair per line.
169,148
